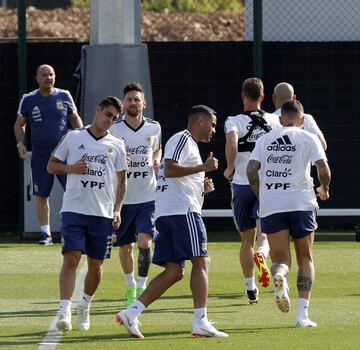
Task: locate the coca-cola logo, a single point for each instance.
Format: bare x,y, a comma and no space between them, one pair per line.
99,158
256,136
137,150
284,159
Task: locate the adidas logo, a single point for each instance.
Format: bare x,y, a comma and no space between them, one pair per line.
81,146
36,109
282,144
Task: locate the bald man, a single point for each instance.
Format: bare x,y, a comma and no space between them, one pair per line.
47,111
284,92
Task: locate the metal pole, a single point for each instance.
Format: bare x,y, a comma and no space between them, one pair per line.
21,56
257,43
21,50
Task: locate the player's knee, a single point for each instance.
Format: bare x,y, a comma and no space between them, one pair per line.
71,260
144,241
176,273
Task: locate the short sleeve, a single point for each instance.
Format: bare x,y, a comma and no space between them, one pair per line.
177,148
61,151
121,161
230,125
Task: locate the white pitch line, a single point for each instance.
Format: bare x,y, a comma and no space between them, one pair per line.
53,335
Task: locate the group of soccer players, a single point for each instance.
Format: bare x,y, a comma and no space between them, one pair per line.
117,182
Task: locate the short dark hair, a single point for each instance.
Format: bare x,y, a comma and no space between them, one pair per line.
198,110
292,109
253,88
134,86
111,101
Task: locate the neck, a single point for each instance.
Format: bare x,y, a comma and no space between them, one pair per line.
193,133
251,106
97,132
134,121
45,92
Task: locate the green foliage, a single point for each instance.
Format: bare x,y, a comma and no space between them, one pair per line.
80,3
204,6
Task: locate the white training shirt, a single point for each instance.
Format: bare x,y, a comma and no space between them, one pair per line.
140,144
92,193
285,183
241,124
309,125
180,195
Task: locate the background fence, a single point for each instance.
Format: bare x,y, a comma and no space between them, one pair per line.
194,20
325,73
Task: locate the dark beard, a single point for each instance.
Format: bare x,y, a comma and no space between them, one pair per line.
132,112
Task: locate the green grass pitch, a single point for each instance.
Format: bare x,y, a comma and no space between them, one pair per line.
29,301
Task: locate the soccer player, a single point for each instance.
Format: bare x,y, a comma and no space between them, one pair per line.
278,174
47,111
242,131
284,92
143,146
94,160
182,234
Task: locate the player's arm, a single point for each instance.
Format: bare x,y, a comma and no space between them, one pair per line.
174,169
119,197
57,166
252,172
322,140
324,176
156,157
19,130
230,153
75,120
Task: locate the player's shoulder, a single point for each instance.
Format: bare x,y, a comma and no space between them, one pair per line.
151,121
182,136
309,117
116,137
73,132
29,95
60,91
152,124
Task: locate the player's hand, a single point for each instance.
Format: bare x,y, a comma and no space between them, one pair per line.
80,167
211,163
229,173
208,185
116,220
322,194
22,151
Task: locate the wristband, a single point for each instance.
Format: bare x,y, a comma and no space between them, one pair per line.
18,144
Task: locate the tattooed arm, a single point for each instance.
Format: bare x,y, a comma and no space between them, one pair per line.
119,199
253,175
324,177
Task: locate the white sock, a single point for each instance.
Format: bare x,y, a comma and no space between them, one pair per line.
65,306
135,309
85,300
130,279
250,283
302,311
46,229
200,315
265,250
141,283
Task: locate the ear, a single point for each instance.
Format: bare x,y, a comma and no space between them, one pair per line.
302,120
144,104
261,98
